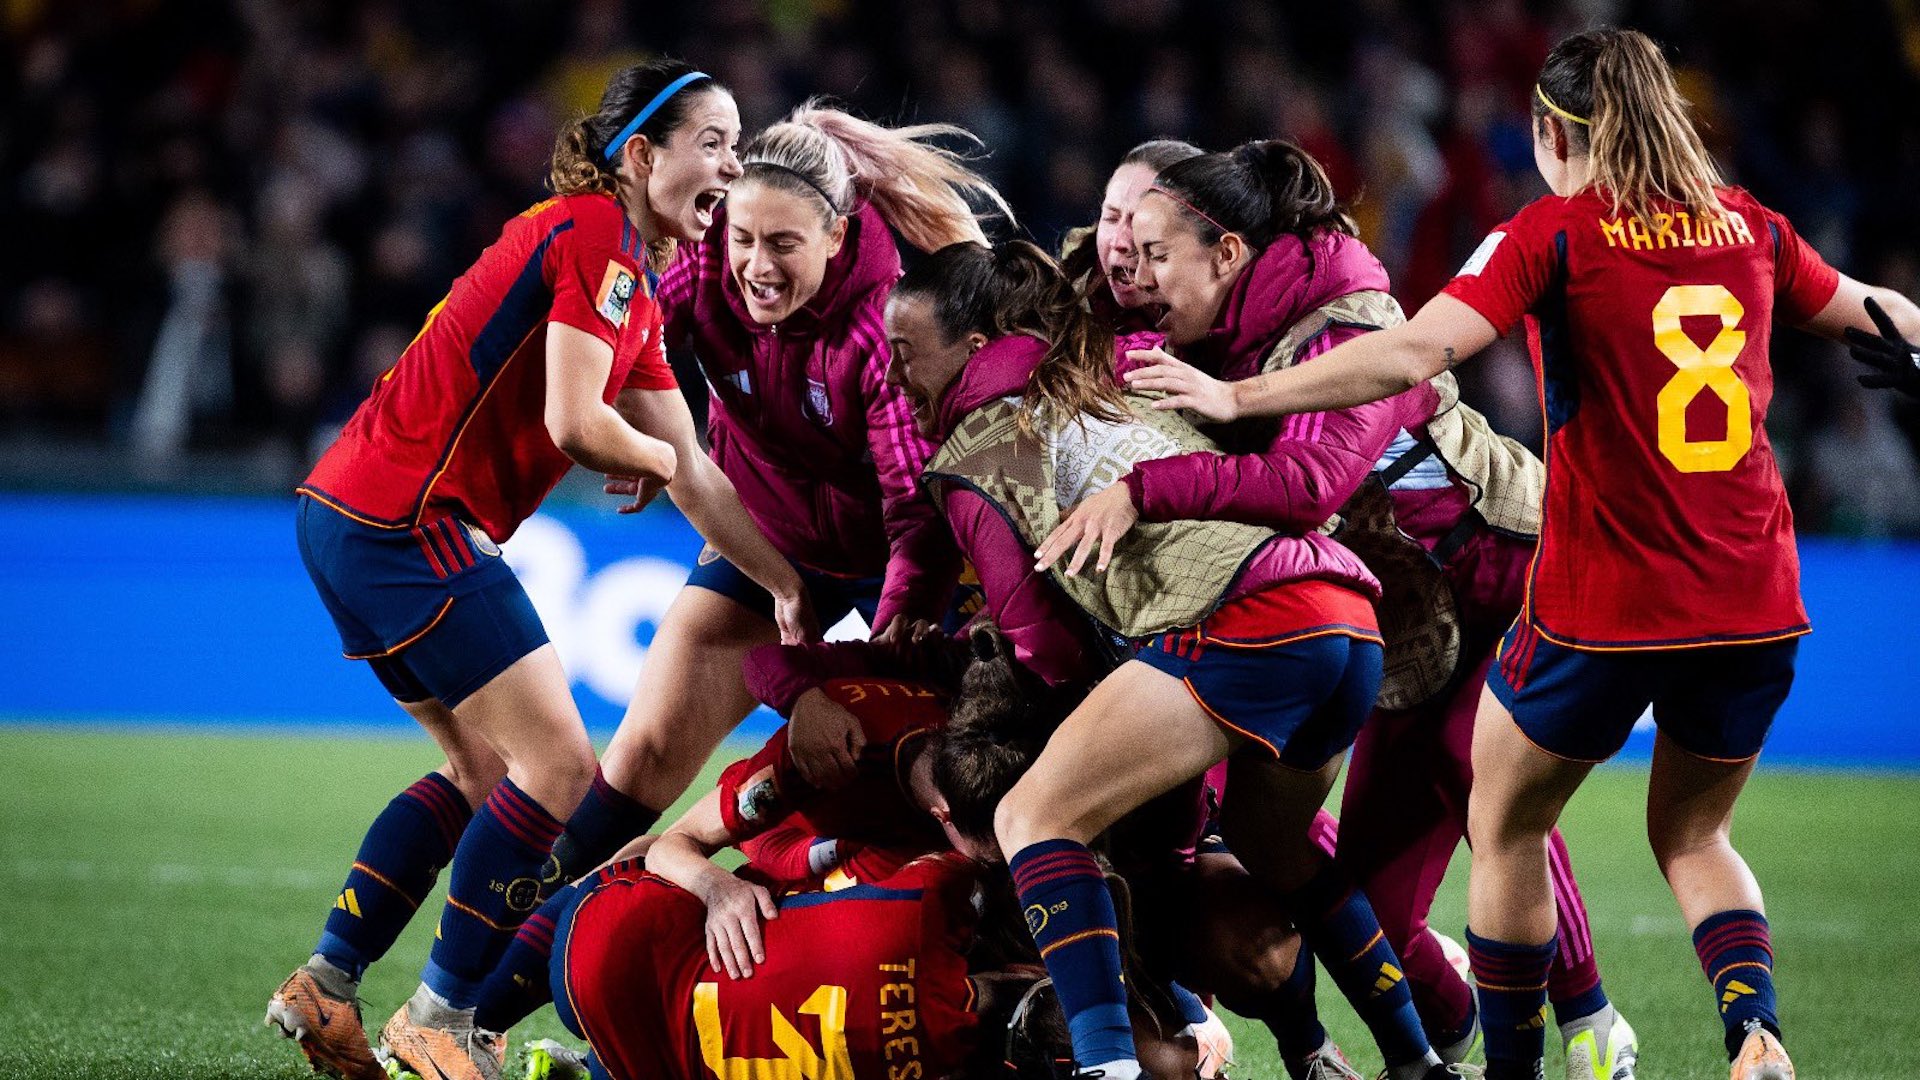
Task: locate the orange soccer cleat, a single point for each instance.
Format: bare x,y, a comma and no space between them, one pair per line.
325,1024
1761,1057
431,1039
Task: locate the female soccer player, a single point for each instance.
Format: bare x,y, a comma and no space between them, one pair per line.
783,308
1249,639
1105,252
1666,573
547,352
1258,266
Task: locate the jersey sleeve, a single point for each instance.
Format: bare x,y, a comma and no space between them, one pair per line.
1510,269
1803,282
596,284
756,793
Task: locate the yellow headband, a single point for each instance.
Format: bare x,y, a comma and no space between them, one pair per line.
1557,110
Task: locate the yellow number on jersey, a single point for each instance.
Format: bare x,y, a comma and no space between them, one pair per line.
832,1062
1710,368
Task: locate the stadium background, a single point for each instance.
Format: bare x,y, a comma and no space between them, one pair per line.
224,217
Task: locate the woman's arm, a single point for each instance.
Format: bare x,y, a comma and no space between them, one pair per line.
683,855
1368,368
706,496
923,564
579,420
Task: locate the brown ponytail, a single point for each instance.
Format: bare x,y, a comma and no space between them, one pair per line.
1016,288
1638,130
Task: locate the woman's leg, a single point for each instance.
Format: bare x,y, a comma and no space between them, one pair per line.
1137,735
1690,804
690,697
1518,793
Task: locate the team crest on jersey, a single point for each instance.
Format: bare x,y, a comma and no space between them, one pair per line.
819,402
616,293
757,796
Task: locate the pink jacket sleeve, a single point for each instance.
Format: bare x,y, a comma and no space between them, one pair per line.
777,675
1314,464
1050,636
924,565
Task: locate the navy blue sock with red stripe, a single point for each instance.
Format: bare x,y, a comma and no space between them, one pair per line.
1337,920
397,865
1071,916
519,983
1736,952
606,819
1512,984
494,886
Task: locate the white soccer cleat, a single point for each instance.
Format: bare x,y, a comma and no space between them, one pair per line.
1328,1063
1761,1057
1601,1047
1216,1046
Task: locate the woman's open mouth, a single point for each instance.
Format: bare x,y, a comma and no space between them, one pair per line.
765,294
705,203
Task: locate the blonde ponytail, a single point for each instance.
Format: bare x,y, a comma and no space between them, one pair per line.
919,188
1641,140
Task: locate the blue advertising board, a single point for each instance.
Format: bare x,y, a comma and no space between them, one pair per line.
138,609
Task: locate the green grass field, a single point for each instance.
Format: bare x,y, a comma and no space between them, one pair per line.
159,885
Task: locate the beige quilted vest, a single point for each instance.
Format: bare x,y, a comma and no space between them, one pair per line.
1164,575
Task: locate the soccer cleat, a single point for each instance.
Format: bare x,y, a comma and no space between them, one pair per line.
551,1060
1761,1057
1328,1063
432,1039
324,1022
1601,1046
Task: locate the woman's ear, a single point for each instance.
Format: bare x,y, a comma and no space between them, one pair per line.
1229,254
1553,132
836,235
975,342
637,154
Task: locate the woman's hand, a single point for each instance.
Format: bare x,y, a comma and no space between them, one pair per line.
825,740
1098,522
734,910
793,615
641,489
1186,386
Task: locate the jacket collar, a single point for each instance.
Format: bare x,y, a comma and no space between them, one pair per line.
1282,284
1000,369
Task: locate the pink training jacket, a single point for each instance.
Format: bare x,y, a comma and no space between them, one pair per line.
823,452
1051,636
1301,472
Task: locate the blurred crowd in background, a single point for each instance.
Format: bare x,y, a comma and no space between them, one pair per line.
223,218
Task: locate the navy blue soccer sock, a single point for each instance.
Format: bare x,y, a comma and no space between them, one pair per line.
1071,915
397,865
494,886
1192,1009
520,982
1736,952
1512,984
1336,919
1289,1012
602,824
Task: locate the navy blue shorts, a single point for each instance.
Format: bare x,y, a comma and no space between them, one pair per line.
832,596
1713,701
1302,699
434,609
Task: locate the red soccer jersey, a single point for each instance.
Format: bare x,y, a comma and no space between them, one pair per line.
875,808
1666,522
457,424
869,983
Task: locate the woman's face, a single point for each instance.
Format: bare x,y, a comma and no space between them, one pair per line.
1113,239
1176,269
690,172
778,244
924,363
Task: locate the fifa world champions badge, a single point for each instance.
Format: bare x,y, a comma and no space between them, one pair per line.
616,294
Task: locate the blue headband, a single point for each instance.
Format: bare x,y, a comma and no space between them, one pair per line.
646,113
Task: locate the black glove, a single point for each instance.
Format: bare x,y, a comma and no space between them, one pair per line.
1895,360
